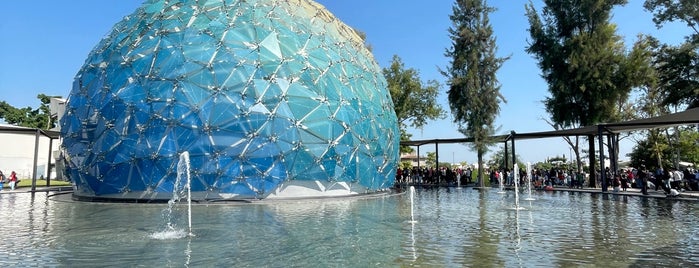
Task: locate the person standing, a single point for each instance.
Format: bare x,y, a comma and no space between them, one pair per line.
13,180
616,183
643,178
468,175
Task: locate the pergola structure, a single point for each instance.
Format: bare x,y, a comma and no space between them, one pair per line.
609,130
52,135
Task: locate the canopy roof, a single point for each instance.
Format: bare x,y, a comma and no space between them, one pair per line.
500,138
25,130
690,116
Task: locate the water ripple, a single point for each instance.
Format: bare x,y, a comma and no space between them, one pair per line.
453,228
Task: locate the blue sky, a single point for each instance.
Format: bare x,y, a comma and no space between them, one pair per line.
46,42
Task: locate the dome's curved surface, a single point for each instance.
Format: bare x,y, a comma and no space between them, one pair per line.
269,98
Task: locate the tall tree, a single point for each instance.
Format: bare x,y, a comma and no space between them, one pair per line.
415,102
649,102
678,66
582,59
474,91
686,11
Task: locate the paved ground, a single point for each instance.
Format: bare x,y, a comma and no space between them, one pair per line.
7,190
686,195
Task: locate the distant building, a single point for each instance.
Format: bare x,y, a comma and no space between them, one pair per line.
414,159
57,106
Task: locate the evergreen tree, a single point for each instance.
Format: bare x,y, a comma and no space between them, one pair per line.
583,60
474,92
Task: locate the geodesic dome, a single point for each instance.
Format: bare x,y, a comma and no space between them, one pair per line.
269,99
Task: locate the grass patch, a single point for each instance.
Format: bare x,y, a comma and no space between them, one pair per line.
39,183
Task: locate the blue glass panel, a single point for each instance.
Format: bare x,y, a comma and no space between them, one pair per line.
168,63
206,78
191,93
239,188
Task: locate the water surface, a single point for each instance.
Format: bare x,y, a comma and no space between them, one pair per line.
453,228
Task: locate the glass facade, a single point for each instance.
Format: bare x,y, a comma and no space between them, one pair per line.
261,94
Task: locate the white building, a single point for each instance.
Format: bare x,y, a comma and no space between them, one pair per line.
413,159
18,146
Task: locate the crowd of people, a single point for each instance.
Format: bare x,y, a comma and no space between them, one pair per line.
670,181
453,176
432,176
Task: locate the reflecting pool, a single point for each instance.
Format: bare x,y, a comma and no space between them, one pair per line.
453,227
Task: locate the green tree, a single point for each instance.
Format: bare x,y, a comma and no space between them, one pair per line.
29,117
415,102
675,10
474,91
646,150
678,69
583,60
497,160
431,159
649,103
678,66
543,166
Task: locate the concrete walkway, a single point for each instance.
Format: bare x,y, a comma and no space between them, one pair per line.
7,190
686,195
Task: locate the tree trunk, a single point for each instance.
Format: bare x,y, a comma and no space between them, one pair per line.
481,182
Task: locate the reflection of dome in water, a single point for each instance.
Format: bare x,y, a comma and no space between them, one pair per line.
270,99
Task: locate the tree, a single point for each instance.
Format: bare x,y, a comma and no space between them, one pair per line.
497,160
28,117
646,151
671,10
543,166
649,103
678,66
678,69
431,159
583,60
474,92
415,102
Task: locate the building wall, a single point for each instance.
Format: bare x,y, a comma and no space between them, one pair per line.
17,154
412,158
